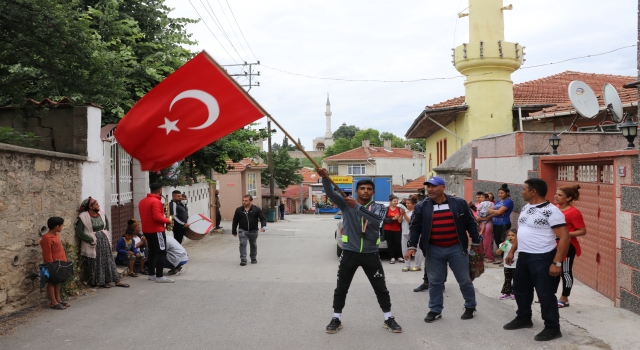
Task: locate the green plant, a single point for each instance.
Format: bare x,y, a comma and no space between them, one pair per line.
75,283
12,137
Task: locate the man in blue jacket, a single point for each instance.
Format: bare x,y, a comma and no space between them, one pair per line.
440,223
360,239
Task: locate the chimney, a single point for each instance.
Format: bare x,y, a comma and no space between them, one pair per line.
365,143
387,144
414,154
407,146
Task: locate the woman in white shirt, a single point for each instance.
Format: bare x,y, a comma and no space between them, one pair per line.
411,203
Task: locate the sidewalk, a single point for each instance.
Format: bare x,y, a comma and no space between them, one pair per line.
589,310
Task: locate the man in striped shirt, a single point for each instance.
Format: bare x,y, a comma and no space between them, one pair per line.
440,224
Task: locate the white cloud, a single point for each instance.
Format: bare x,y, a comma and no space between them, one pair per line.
402,40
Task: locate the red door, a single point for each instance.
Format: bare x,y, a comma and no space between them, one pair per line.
596,267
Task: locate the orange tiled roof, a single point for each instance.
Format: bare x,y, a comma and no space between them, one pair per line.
243,164
413,185
362,153
293,191
309,175
553,89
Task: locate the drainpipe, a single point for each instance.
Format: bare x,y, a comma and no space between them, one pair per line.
375,170
520,117
444,128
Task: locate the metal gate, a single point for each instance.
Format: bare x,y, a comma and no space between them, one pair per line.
121,190
596,267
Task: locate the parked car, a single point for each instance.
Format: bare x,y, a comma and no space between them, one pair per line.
383,247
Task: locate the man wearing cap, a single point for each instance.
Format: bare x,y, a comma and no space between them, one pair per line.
440,223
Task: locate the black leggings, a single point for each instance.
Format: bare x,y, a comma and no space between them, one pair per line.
507,287
372,266
500,233
394,242
157,252
567,272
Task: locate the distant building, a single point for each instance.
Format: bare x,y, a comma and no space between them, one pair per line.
321,143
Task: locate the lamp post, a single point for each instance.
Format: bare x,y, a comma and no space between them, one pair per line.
554,142
629,130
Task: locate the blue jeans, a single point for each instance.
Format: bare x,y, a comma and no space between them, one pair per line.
437,259
532,271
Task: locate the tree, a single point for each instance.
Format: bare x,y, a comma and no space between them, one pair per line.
339,146
345,132
287,146
372,135
107,52
284,169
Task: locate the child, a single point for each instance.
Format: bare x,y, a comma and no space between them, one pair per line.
509,270
52,250
128,254
483,210
141,243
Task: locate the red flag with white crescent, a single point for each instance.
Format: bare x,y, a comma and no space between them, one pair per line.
194,106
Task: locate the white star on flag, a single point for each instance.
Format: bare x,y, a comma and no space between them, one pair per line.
169,126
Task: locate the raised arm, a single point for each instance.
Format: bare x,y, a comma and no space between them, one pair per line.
328,189
375,216
470,224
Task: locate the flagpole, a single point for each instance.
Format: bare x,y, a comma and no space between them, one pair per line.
306,154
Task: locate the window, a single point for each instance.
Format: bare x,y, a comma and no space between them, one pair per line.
356,169
441,151
252,186
333,169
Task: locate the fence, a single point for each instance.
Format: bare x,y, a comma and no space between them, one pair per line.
197,197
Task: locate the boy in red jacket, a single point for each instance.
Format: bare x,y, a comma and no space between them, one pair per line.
52,250
153,220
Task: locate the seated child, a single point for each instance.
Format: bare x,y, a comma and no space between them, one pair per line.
128,254
176,256
53,250
141,243
509,270
483,210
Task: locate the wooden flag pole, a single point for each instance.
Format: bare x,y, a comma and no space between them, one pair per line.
306,155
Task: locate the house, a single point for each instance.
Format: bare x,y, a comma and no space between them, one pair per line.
412,187
242,178
399,163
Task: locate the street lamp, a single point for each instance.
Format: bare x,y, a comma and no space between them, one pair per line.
629,131
554,142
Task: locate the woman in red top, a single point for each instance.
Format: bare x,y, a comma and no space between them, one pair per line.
575,224
393,230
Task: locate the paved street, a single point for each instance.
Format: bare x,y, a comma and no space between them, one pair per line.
283,302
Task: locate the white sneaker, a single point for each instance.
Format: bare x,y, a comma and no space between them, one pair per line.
152,278
164,280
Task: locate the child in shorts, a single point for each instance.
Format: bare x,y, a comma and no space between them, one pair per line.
53,250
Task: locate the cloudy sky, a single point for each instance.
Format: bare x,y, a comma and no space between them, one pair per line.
399,40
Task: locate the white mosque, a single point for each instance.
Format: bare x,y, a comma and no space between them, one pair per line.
320,143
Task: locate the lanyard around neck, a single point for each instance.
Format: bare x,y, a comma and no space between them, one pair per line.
362,221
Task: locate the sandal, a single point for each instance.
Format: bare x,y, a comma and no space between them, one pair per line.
406,269
123,285
57,307
144,272
562,304
133,274
105,286
416,269
65,304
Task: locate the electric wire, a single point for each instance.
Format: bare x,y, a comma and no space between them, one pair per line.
205,23
233,30
440,78
218,24
240,29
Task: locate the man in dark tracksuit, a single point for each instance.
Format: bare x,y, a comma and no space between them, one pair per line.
360,240
180,215
245,221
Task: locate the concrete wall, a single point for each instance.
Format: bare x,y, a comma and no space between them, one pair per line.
233,186
197,197
628,232
400,169
35,185
508,169
300,155
453,145
93,181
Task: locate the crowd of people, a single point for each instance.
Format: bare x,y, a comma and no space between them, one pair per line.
442,230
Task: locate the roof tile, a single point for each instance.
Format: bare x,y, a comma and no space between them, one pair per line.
361,153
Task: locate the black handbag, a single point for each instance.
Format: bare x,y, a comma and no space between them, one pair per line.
57,271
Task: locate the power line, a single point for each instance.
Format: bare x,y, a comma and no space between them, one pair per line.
205,23
245,39
441,78
218,23
234,31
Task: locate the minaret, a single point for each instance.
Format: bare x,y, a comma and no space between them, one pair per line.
328,134
487,61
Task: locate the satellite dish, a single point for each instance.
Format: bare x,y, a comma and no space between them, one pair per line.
583,99
611,98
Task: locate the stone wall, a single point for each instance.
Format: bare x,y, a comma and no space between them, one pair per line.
628,232
35,185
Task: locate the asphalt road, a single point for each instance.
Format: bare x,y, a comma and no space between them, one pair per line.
283,302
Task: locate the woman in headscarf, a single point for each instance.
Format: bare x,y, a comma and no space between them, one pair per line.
92,227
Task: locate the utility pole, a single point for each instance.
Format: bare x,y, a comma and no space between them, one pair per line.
247,72
301,199
271,177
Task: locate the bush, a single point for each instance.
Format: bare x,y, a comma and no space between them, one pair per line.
12,137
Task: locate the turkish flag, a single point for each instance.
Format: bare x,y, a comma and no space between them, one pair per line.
194,106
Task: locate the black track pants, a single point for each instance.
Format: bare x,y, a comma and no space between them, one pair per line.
157,252
372,266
